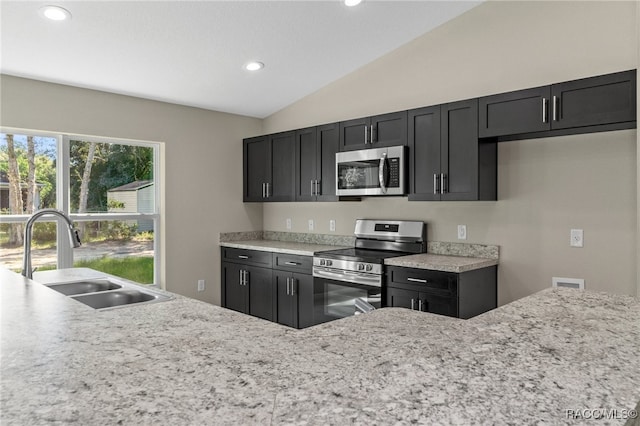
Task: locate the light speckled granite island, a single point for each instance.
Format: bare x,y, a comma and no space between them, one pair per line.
189,362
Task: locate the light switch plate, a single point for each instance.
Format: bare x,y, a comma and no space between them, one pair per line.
310,224
200,285
288,222
577,238
332,225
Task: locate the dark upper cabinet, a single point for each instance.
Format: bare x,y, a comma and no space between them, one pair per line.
316,149
269,167
513,113
596,101
447,161
605,99
373,132
256,167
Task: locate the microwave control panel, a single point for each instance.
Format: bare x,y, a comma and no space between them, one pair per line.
394,172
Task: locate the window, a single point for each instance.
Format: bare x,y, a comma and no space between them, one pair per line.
107,187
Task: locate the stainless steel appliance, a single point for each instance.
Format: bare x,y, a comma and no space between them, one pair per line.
349,281
379,171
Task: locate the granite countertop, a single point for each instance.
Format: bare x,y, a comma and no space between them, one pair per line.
287,247
443,263
189,362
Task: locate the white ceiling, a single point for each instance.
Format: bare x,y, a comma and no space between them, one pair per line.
192,52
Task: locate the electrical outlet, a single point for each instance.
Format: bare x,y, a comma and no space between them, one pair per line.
310,224
332,225
462,232
200,285
288,223
577,238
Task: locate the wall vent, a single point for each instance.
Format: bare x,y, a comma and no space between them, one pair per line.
577,283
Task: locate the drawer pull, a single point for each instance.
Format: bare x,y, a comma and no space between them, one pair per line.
241,256
292,263
417,280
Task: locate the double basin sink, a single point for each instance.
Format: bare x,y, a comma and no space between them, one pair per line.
106,292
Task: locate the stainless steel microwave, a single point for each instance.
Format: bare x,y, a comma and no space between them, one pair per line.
379,171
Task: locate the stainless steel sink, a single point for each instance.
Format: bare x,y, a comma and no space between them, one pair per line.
109,299
87,286
108,292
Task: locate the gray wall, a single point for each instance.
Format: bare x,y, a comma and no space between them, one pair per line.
546,186
202,165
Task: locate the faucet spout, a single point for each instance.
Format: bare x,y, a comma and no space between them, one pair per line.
74,238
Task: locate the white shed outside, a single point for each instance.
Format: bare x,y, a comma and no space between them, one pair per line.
137,197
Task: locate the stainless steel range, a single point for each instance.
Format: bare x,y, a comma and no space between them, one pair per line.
349,281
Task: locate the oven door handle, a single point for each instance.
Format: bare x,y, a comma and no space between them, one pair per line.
370,280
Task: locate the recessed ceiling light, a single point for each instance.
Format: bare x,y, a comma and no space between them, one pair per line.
55,13
254,66
352,3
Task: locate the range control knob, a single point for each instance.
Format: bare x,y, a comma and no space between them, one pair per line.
329,263
322,262
369,267
360,266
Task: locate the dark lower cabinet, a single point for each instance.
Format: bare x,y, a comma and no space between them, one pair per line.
588,104
461,295
294,291
273,286
248,289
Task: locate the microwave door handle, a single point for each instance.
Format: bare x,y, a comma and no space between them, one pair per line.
381,169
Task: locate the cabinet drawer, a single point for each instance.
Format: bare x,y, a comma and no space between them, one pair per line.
423,280
292,263
247,257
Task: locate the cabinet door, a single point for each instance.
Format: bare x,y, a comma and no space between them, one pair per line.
400,298
256,168
514,113
441,305
354,134
424,153
261,296
605,99
459,155
328,143
306,161
287,303
388,129
304,291
234,293
282,183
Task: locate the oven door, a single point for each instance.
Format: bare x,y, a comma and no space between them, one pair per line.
335,298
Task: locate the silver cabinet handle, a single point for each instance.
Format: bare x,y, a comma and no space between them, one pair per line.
544,110
442,188
246,277
242,256
555,108
263,190
317,187
366,134
417,280
293,283
292,263
435,183
241,277
371,132
381,170
420,305
268,189
312,194
413,308
287,286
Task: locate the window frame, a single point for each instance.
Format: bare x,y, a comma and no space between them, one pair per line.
63,195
